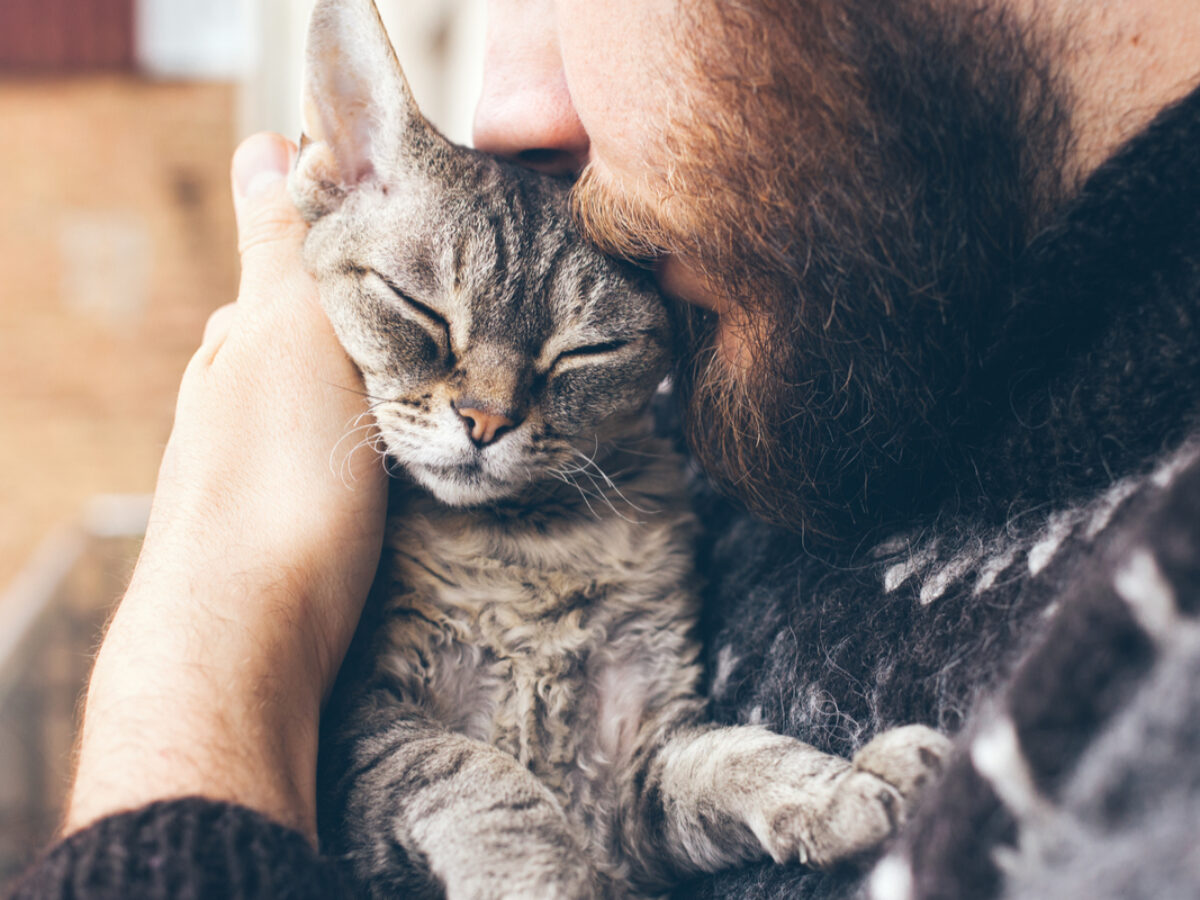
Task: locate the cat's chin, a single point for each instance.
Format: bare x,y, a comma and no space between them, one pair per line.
460,487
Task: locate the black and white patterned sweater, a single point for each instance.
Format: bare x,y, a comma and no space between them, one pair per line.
1048,614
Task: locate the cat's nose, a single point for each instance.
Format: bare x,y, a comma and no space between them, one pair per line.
484,427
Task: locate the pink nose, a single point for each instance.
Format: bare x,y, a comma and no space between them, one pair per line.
483,427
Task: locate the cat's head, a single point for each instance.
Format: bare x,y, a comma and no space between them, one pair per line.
495,345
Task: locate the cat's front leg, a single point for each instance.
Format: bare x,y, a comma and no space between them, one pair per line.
426,811
706,798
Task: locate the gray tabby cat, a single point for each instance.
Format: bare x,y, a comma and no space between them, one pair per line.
529,725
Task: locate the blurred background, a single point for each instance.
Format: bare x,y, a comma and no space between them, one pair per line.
117,122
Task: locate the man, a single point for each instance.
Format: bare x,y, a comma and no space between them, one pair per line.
942,261
953,356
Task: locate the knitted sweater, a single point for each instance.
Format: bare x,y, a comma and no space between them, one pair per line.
1046,614
188,849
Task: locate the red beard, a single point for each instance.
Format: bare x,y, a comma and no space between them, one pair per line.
859,180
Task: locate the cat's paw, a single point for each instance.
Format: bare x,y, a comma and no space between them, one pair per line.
861,806
856,814
905,758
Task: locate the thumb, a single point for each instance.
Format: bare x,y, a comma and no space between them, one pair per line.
270,229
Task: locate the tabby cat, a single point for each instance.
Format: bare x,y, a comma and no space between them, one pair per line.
527,724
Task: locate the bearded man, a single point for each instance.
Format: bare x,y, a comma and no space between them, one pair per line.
942,261
937,265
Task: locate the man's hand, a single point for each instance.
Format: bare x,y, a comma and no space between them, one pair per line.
263,540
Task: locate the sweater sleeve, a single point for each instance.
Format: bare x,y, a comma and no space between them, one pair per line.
187,848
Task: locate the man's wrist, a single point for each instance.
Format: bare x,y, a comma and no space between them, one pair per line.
174,710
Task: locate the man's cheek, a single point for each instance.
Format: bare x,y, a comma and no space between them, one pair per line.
622,73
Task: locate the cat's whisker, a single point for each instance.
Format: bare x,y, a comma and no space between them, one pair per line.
354,431
630,451
589,461
388,463
374,443
574,470
364,394
356,426
357,422
597,492
604,496
583,493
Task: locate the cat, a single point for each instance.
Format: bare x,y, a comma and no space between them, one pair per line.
524,719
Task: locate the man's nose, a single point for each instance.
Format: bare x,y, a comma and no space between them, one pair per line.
525,111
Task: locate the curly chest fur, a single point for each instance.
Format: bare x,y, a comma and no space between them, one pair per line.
532,726
526,633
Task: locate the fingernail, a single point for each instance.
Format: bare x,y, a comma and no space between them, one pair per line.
260,162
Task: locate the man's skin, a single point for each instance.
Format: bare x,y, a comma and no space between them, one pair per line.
261,547
569,83
211,675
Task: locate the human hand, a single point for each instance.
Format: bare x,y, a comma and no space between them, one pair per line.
263,539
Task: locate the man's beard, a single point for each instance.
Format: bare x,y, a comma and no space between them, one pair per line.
859,180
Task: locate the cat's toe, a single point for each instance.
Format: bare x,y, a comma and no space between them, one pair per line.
859,815
908,758
865,805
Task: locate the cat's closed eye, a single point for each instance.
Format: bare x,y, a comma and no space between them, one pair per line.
599,349
433,321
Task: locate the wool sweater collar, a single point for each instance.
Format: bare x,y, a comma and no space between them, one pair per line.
1095,367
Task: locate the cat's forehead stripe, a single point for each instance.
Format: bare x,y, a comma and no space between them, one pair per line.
511,298
497,226
458,258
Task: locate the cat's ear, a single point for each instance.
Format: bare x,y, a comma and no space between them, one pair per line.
358,109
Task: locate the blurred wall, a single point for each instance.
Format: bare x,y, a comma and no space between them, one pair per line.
116,234
438,42
194,39
116,240
59,35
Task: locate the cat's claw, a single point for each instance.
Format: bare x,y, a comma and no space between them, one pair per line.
906,758
865,804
